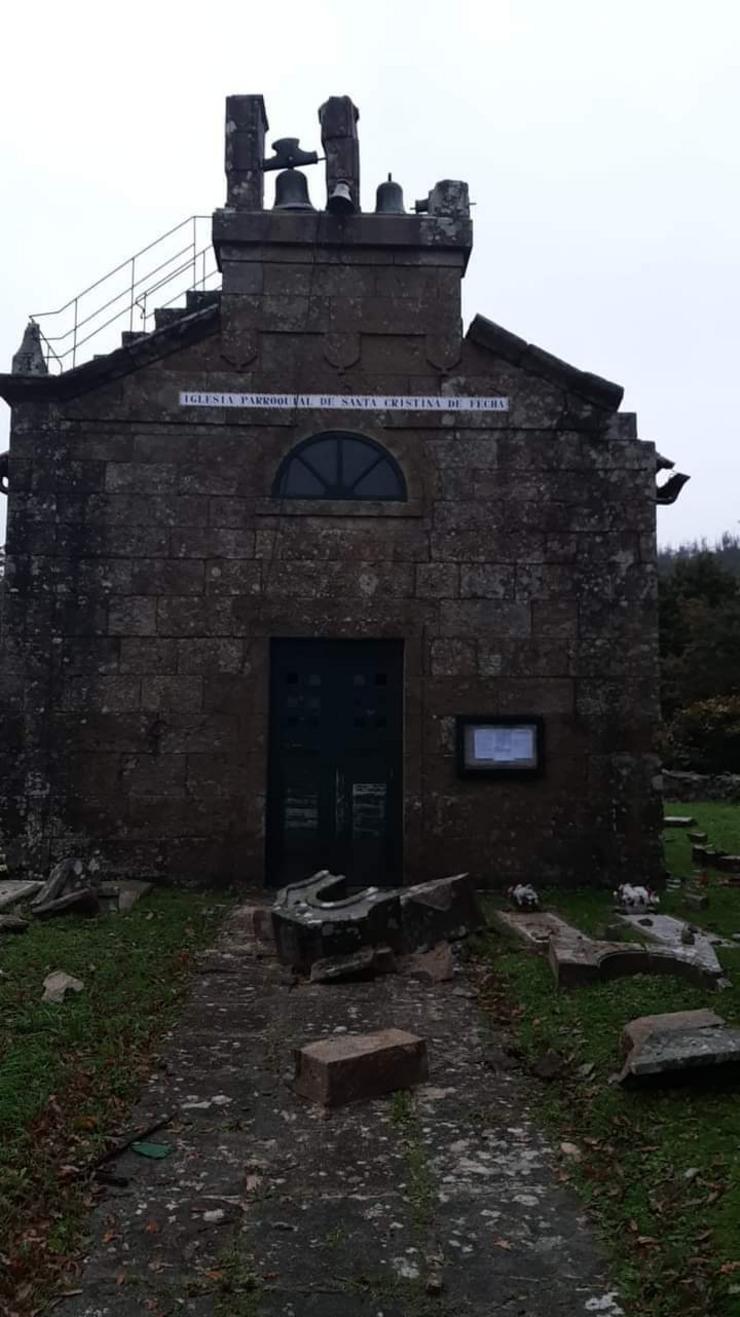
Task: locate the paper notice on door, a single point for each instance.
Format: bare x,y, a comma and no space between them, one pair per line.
504,745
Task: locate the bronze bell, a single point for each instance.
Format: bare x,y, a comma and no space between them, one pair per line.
389,199
340,199
291,191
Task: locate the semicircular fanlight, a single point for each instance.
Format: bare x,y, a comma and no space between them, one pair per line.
335,465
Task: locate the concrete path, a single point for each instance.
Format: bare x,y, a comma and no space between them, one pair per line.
441,1205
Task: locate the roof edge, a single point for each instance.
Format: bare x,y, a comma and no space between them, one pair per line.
187,329
487,334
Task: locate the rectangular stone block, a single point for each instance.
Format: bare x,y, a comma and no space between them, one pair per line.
638,1030
134,616
183,693
357,1067
162,576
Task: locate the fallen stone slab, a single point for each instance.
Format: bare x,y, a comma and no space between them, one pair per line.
711,1053
336,1071
696,900
66,875
359,965
635,1033
435,966
678,821
534,928
671,932
13,924
316,920
58,984
578,961
14,891
83,901
131,891
698,838
443,910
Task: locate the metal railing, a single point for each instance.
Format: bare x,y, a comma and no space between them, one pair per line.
184,260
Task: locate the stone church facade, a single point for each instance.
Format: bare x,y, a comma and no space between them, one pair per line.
308,578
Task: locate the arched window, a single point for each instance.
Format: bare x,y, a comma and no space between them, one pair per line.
335,465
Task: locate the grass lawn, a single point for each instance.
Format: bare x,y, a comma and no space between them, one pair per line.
69,1073
660,1169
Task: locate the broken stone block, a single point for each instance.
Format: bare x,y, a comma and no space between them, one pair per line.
130,892
678,821
436,966
353,1067
635,1033
84,901
672,932
13,924
578,961
439,911
13,892
317,920
535,929
696,900
697,1054
58,984
66,875
363,964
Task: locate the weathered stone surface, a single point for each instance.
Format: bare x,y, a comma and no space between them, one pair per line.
698,838
576,961
435,966
81,901
678,821
362,964
696,900
442,910
316,919
696,1054
670,932
66,874
14,892
13,924
356,1067
58,984
535,928
130,892
635,1033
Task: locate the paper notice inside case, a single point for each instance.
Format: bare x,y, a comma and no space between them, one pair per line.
504,745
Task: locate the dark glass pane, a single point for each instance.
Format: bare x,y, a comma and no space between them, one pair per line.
321,456
357,456
381,482
299,482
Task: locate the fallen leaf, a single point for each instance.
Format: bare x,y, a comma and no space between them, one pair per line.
152,1227
503,1243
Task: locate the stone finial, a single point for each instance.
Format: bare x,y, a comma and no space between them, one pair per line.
246,125
29,359
448,197
338,118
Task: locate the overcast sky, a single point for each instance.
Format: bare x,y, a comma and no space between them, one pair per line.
599,139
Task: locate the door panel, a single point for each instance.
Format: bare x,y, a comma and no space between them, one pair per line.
334,799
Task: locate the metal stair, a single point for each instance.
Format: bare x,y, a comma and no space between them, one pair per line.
181,263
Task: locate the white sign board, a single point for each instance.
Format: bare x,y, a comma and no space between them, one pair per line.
355,402
504,745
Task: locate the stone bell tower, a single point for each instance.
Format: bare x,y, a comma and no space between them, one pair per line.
333,270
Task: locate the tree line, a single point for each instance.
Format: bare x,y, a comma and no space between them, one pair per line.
699,601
